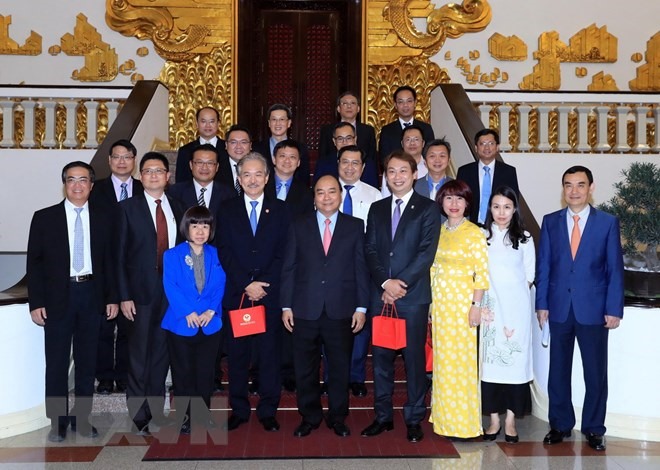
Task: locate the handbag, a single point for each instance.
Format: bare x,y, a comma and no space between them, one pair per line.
248,321
388,330
428,350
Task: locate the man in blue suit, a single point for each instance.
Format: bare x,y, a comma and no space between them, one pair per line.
579,290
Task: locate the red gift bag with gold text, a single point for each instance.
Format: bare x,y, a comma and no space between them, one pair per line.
388,330
248,321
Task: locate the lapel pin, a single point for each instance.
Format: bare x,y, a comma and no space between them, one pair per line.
267,211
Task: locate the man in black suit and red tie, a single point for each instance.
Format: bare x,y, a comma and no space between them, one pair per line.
71,283
208,121
405,100
148,226
325,292
402,237
112,360
251,245
486,174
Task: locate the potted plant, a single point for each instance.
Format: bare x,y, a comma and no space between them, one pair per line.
637,205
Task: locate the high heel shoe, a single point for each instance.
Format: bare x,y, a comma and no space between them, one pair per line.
491,437
511,439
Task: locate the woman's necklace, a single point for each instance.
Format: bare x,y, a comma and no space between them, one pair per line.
452,228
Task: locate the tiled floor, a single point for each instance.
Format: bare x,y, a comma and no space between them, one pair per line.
33,451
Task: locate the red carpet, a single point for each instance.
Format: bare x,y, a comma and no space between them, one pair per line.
250,441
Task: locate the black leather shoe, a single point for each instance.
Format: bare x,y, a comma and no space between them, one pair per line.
254,387
304,429
142,428
57,433
376,428
358,389
270,424
511,439
185,428
120,386
491,437
234,422
87,430
289,385
324,389
596,441
415,433
339,428
104,387
555,436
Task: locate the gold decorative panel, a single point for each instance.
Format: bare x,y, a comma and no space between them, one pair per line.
546,74
8,46
592,44
507,48
602,82
193,84
100,59
648,75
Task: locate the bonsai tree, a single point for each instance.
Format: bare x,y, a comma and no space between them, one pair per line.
637,205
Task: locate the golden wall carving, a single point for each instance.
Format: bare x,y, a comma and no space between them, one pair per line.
648,75
8,46
507,47
591,44
602,82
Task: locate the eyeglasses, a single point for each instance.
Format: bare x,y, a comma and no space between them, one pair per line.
71,180
353,163
412,140
242,143
346,104
154,171
200,164
344,139
488,143
125,157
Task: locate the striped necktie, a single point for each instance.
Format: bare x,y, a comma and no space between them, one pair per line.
200,199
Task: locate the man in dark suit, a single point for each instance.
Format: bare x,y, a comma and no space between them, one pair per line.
70,283
486,174
148,226
279,123
579,290
348,108
112,359
238,145
208,120
251,248
325,291
402,237
405,100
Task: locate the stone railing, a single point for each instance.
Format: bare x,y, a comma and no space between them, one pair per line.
572,122
58,117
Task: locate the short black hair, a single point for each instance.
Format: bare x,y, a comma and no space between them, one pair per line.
405,88
341,124
199,111
409,128
197,215
348,93
280,107
578,169
326,176
78,164
286,143
352,148
435,143
237,128
124,143
484,132
205,148
401,155
155,156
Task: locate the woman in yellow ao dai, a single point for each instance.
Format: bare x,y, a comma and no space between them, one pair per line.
459,277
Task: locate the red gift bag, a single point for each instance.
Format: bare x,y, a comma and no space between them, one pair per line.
248,321
388,330
428,349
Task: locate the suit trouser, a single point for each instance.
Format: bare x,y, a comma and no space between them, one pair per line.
592,341
80,323
148,361
112,358
192,359
361,342
337,339
414,358
268,354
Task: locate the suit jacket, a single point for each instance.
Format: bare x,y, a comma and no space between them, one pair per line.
183,172
328,165
593,282
103,193
422,185
246,257
49,261
138,276
390,137
313,281
505,175
182,294
186,194
366,140
303,171
299,198
410,255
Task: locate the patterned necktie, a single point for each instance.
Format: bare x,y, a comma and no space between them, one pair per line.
348,200
78,243
327,236
486,189
281,192
253,216
407,124
237,185
124,192
396,217
200,199
575,236
162,239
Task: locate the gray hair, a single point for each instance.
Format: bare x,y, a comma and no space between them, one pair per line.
252,157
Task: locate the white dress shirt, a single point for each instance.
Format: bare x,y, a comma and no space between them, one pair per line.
71,215
362,195
172,229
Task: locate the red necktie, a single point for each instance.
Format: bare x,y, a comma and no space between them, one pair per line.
327,236
575,236
162,240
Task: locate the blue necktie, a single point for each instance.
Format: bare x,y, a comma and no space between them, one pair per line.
348,200
396,217
78,242
281,191
253,216
486,189
124,192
